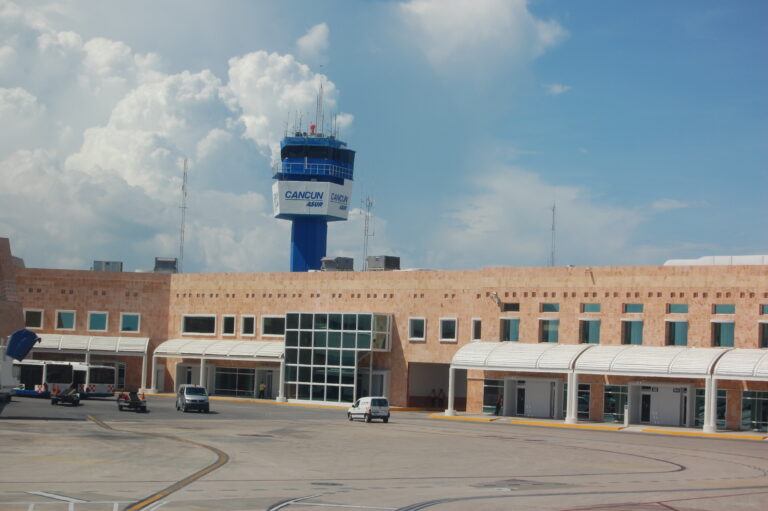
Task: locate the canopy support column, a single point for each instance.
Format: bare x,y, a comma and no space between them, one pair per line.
710,405
451,390
281,388
144,372
153,376
202,373
571,408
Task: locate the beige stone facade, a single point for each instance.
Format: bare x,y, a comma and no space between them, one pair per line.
466,296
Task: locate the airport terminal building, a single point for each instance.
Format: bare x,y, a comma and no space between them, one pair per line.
680,345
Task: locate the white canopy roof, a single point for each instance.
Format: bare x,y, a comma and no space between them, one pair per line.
85,343
271,351
673,361
743,364
515,356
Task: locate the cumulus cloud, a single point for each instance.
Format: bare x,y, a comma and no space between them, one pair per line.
555,89
106,135
506,219
456,32
312,45
668,204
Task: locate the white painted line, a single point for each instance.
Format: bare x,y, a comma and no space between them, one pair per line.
31,507
157,505
290,502
341,505
58,497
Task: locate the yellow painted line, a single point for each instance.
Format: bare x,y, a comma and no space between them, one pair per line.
561,425
309,405
457,418
221,460
710,435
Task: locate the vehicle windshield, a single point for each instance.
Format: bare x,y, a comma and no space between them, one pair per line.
195,391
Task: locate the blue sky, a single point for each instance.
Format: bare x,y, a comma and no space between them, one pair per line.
644,122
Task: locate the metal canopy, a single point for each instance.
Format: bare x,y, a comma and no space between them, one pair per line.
743,364
269,351
669,361
130,346
514,356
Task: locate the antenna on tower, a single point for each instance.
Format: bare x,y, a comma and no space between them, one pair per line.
368,232
319,110
183,208
552,253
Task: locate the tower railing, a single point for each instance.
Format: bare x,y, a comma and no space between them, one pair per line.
311,169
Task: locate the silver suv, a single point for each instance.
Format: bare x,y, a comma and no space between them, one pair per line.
192,397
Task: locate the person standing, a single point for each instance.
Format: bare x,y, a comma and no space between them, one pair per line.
441,399
499,404
262,390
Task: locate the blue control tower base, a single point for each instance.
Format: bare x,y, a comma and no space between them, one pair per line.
309,239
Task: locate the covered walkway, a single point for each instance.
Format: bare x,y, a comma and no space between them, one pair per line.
217,349
672,363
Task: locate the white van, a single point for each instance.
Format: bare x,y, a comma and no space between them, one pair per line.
368,408
192,397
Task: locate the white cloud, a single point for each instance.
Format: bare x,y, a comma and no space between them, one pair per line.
313,45
105,137
555,89
506,220
668,204
452,32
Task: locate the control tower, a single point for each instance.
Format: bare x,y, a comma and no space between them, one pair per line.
313,187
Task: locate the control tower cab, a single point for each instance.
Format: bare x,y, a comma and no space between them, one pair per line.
313,187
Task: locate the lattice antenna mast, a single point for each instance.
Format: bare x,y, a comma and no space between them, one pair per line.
369,229
552,252
319,110
183,208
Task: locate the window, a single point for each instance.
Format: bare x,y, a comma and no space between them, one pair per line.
590,307
764,335
417,328
677,308
198,324
677,333
633,308
477,329
631,332
97,321
65,320
228,325
589,331
724,308
510,330
614,401
33,318
754,410
248,325
130,322
550,307
448,329
548,330
722,334
273,326
510,307
764,309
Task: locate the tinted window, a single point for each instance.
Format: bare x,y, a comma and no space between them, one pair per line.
195,391
199,325
379,402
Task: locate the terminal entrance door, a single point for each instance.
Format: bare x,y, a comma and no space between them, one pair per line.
645,408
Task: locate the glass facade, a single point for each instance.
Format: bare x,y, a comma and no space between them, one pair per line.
324,353
493,391
235,381
614,400
589,331
698,421
722,335
510,329
677,333
582,409
631,332
754,410
548,330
